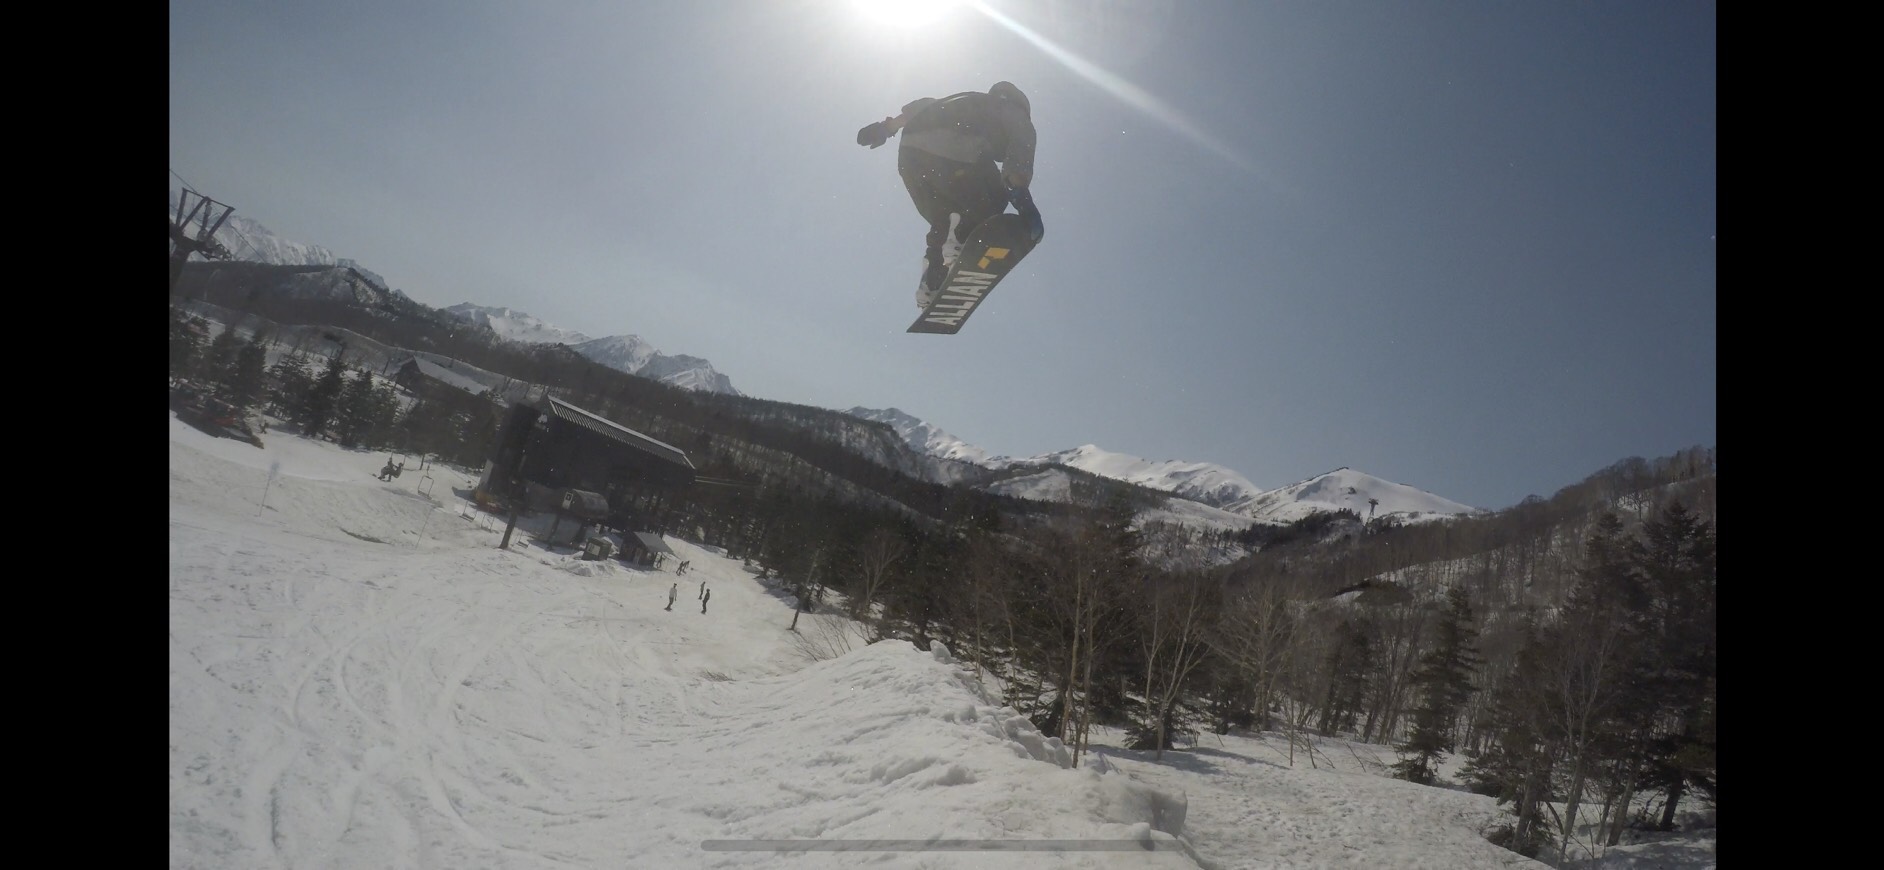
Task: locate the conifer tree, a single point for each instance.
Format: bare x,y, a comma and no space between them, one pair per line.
185,347
380,415
218,362
364,413
1676,558
247,374
1349,663
353,411
323,399
292,386
1516,766
1444,681
1591,669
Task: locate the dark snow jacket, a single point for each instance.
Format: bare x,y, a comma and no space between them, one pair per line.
973,127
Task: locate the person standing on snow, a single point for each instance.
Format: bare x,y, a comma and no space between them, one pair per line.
673,592
947,160
704,599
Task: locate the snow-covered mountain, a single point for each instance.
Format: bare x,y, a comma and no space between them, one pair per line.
1360,492
516,325
628,353
249,241
925,438
1056,484
634,355
1202,482
680,370
1206,483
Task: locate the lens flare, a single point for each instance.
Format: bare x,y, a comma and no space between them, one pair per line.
1132,95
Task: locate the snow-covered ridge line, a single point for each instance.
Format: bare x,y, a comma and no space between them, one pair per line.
1204,483
627,353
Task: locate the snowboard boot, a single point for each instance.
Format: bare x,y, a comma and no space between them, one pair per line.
952,243
933,274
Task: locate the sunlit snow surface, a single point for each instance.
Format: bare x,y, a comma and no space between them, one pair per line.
360,677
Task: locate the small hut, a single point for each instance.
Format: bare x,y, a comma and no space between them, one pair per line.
645,548
583,509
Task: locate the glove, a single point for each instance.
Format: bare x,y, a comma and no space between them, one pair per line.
874,135
1024,203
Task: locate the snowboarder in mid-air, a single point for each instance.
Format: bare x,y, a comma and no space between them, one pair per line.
947,160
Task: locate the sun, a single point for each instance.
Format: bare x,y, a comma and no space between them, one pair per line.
905,14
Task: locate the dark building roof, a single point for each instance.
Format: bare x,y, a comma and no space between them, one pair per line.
617,432
653,542
582,503
446,376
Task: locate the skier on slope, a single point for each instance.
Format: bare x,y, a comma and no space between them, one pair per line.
947,160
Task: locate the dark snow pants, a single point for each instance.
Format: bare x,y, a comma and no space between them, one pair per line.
940,186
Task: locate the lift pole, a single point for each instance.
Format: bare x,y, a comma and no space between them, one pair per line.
186,239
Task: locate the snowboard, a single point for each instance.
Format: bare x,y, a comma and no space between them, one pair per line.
990,252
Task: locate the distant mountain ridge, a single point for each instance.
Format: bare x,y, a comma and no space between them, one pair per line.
515,325
923,437
1347,489
249,241
1213,486
1202,482
628,353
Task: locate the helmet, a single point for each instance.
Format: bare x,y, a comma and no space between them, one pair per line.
1007,91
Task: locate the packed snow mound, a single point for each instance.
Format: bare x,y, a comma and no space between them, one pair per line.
921,721
587,567
359,676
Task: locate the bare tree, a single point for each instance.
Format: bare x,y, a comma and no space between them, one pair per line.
828,636
989,613
1402,627
1083,571
1172,635
1303,679
1582,673
1256,633
877,553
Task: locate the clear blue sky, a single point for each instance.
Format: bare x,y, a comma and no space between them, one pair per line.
1465,245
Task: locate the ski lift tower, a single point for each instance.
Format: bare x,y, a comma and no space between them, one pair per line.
193,231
